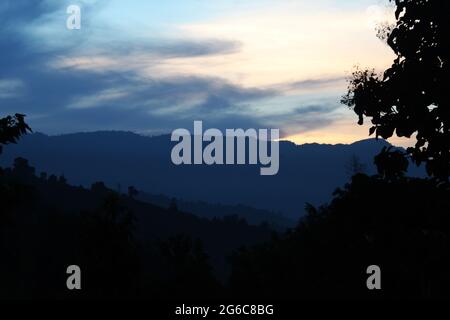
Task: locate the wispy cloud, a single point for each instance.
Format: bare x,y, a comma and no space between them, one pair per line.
10,88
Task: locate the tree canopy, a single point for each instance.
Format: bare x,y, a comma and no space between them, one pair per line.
411,97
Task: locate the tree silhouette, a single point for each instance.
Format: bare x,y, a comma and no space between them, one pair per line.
355,166
43,176
132,192
391,164
109,249
52,179
100,188
12,128
62,179
411,97
173,206
405,232
22,171
399,223
187,267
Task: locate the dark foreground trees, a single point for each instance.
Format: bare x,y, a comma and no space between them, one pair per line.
45,233
401,225
11,129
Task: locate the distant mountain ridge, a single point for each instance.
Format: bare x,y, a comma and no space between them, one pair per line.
216,210
308,173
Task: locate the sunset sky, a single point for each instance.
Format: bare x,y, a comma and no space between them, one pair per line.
153,66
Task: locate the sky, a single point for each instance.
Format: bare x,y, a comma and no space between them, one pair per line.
153,66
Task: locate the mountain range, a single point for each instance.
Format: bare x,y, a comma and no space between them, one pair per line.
308,173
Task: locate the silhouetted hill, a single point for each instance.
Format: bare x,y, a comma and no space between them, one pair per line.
216,210
53,204
308,173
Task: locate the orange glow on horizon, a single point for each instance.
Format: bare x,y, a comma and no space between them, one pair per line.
345,132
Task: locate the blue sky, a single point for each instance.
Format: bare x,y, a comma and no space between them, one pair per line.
153,66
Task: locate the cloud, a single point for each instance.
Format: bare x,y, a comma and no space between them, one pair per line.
10,88
316,109
74,95
178,97
306,118
100,98
286,43
231,73
139,53
336,83
175,48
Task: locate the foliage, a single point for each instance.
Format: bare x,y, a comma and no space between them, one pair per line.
12,128
402,225
411,97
